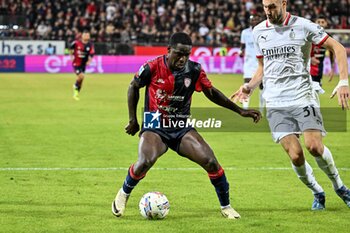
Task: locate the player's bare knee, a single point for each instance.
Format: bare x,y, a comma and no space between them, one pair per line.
296,156
314,147
147,163
142,166
297,160
211,165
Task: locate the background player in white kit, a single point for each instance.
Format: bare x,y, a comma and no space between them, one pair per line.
283,45
250,61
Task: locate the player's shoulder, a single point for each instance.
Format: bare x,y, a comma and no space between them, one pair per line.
260,26
74,42
194,65
246,30
156,60
298,21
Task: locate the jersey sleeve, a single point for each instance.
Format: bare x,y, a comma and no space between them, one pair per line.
72,45
258,51
243,37
314,33
203,82
144,75
312,50
92,51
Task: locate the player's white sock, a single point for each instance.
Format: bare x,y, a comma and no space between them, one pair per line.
246,103
326,163
306,175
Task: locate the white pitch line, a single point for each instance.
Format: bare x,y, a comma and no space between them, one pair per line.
156,168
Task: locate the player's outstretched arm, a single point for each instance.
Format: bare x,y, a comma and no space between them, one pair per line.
220,99
342,89
133,98
247,89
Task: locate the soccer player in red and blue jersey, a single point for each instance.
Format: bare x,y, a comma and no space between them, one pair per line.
170,81
81,52
318,54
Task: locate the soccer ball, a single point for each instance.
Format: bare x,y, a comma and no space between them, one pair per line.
154,205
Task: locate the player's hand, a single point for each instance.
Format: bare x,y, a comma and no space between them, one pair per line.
242,94
256,115
132,128
330,75
343,94
315,61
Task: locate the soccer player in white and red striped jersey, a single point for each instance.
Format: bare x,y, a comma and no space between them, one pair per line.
283,44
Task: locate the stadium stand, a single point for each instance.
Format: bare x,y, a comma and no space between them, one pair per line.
115,23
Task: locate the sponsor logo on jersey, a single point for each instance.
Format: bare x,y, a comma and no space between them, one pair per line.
160,80
279,52
292,34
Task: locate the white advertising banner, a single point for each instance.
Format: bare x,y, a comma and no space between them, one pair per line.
31,47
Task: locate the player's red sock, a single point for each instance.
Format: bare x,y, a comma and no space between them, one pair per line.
218,179
131,180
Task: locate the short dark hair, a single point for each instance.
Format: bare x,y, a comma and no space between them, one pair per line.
180,38
321,16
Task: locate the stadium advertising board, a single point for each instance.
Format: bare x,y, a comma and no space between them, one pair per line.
125,64
11,63
131,64
196,51
31,47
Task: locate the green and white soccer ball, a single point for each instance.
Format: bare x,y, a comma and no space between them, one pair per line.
154,205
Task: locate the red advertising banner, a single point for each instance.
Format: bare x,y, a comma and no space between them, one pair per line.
196,51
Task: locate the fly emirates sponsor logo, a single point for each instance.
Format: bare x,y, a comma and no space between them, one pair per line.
280,52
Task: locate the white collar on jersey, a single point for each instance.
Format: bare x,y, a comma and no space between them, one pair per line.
285,23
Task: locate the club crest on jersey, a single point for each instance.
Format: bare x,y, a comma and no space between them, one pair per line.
187,82
87,48
292,34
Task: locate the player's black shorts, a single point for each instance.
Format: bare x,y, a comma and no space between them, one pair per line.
79,69
171,137
317,78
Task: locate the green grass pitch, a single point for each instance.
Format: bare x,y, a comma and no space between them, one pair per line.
41,126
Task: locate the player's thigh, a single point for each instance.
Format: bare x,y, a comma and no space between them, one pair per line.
194,147
151,146
292,146
281,123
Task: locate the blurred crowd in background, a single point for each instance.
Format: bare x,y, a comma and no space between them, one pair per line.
146,22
